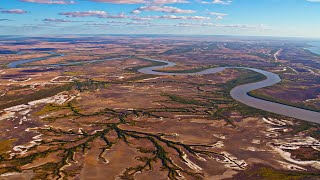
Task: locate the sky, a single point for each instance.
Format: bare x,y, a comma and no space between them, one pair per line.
284,18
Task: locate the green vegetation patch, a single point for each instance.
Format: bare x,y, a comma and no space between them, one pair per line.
246,77
4,170
23,99
311,129
281,101
269,173
152,63
90,85
183,100
72,73
49,108
261,55
6,145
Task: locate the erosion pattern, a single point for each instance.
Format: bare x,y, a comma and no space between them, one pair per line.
239,93
110,128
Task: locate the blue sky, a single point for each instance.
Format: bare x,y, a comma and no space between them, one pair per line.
288,18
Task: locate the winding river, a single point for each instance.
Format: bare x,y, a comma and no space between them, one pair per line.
17,64
239,93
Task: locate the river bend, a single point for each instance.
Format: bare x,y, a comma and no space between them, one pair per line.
239,93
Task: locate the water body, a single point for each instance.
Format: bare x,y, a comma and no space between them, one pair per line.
17,64
315,47
7,52
83,62
239,93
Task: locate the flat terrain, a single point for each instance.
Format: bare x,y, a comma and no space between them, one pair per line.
104,120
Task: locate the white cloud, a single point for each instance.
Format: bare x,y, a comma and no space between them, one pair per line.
91,13
195,25
56,20
240,26
103,14
183,17
169,1
218,15
119,16
14,11
50,1
223,2
165,9
142,18
141,1
122,1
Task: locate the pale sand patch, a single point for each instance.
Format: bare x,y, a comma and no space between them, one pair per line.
274,122
256,141
7,115
12,80
292,167
287,156
232,162
24,109
191,164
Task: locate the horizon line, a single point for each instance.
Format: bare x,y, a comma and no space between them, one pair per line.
176,35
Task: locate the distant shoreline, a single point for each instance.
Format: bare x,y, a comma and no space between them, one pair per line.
315,47
294,38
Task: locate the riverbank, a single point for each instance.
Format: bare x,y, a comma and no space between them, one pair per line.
239,93
271,99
